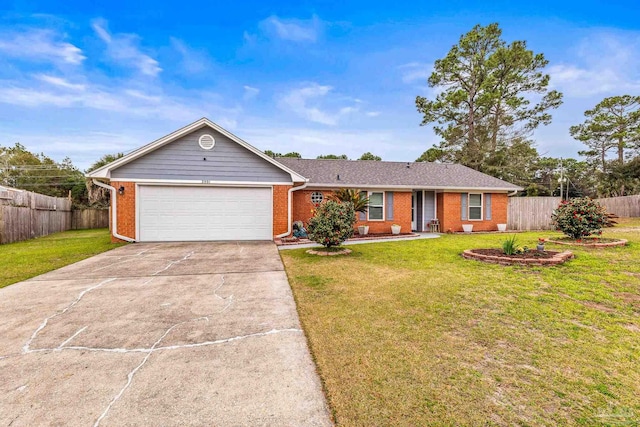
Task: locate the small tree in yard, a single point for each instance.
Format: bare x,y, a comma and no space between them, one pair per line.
332,223
578,218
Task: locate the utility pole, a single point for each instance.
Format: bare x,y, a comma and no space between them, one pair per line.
561,180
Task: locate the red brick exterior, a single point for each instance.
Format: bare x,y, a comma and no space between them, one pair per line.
303,211
126,204
280,209
449,213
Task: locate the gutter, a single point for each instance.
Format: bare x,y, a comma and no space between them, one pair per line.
289,208
514,193
114,211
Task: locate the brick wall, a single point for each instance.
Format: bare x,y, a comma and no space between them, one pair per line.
280,209
126,204
303,211
449,213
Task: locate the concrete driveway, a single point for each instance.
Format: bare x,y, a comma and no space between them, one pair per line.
202,334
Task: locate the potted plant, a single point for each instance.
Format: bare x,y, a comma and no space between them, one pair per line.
363,230
540,246
467,228
502,227
395,229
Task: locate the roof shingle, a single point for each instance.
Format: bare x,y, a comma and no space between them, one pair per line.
370,173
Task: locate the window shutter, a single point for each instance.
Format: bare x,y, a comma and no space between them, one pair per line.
362,216
389,197
463,205
487,206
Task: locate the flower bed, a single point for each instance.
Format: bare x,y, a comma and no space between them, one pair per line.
590,242
496,256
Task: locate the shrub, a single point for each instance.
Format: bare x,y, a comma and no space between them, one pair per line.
510,246
358,198
578,218
332,223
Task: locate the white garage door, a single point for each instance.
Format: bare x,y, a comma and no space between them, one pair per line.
168,213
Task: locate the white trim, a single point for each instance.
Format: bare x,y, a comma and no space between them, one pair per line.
384,205
423,209
213,141
191,182
435,205
105,171
441,189
137,201
481,207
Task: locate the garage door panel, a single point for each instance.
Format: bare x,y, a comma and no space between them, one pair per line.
177,213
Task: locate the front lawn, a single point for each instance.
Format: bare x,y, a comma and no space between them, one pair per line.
23,260
409,333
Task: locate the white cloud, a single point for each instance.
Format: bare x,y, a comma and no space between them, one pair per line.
604,63
123,49
307,101
250,92
296,30
352,142
128,102
40,45
373,113
415,71
193,61
60,82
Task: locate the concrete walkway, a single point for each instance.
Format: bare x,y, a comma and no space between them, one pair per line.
363,241
198,334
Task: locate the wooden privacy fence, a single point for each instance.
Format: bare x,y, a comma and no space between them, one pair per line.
534,213
531,213
82,219
25,215
626,206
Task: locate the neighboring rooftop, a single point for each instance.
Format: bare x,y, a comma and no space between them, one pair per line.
371,173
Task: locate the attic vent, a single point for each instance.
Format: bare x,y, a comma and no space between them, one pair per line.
206,142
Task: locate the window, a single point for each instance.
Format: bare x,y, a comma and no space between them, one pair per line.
475,207
317,197
376,206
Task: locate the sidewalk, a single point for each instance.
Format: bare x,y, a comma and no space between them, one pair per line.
348,242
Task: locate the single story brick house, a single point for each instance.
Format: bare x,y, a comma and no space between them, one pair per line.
201,182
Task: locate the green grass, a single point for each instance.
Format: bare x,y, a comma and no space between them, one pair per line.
409,333
23,260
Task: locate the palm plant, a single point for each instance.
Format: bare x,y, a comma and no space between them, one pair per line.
358,198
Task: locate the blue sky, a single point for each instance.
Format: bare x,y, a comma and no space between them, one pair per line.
80,79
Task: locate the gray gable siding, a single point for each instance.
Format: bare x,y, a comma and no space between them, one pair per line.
183,159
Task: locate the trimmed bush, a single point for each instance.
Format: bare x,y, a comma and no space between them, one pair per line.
578,218
332,223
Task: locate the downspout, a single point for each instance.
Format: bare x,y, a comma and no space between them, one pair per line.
513,194
114,214
290,207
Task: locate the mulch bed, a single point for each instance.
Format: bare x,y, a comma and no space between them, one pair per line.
538,258
530,254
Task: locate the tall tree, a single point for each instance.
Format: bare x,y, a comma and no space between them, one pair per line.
275,155
370,156
484,105
613,125
23,169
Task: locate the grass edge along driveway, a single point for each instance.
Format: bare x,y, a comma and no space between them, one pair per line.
410,333
23,260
